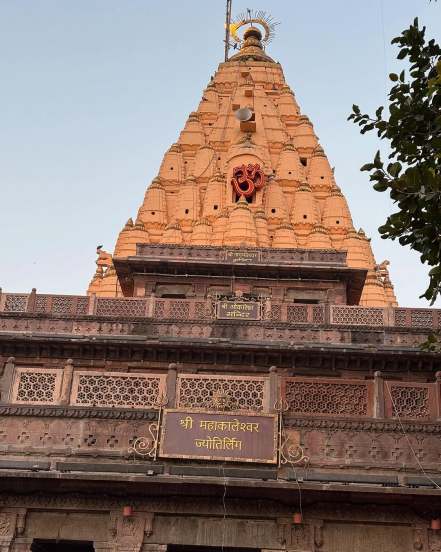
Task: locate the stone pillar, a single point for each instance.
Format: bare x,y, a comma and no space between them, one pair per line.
438,394
171,385
67,382
274,394
32,300
6,380
378,395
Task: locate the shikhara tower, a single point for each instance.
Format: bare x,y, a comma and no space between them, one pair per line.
192,202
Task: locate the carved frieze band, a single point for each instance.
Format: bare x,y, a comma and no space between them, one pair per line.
72,412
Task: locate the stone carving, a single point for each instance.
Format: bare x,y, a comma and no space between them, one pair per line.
247,179
128,532
6,524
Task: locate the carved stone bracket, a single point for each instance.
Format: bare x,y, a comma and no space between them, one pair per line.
127,533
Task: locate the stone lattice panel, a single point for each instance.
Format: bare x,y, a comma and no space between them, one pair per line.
15,303
273,312
421,318
65,304
357,316
328,397
318,314
113,389
159,311
41,303
203,310
400,318
243,392
297,314
36,386
179,310
121,307
408,401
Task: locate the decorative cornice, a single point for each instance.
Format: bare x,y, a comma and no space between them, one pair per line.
72,412
363,425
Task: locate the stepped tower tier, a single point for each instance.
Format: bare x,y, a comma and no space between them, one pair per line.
247,171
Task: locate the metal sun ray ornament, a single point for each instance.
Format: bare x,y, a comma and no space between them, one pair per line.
254,17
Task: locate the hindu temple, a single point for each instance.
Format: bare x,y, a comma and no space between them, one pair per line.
239,375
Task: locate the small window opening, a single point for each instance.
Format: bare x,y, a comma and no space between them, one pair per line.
210,124
274,171
305,216
337,222
289,172
171,168
215,207
322,177
218,158
303,161
153,213
273,210
186,211
185,162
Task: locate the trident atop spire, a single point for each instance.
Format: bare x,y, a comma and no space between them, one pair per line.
227,28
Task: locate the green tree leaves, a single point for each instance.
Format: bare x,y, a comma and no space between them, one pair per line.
413,131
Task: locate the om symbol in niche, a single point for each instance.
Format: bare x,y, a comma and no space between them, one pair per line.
247,179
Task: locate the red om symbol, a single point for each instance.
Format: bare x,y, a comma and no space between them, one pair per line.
246,179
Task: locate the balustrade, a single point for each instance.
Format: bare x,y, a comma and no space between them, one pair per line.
71,306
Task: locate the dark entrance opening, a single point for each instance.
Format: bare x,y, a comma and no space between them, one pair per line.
185,548
40,545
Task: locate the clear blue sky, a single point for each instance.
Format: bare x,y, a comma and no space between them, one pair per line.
94,91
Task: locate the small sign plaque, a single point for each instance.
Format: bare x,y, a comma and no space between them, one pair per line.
238,310
244,257
219,436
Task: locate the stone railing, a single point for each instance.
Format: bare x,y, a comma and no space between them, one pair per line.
195,309
298,396
253,256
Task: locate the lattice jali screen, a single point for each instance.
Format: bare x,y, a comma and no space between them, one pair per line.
318,314
405,400
116,389
36,386
179,310
331,397
421,318
400,317
15,303
297,314
65,304
121,307
204,310
241,392
272,312
357,316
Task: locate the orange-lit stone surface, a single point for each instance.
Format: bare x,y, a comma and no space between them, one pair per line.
192,202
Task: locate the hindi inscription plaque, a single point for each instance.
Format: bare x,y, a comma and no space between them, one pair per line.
239,256
238,310
219,436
